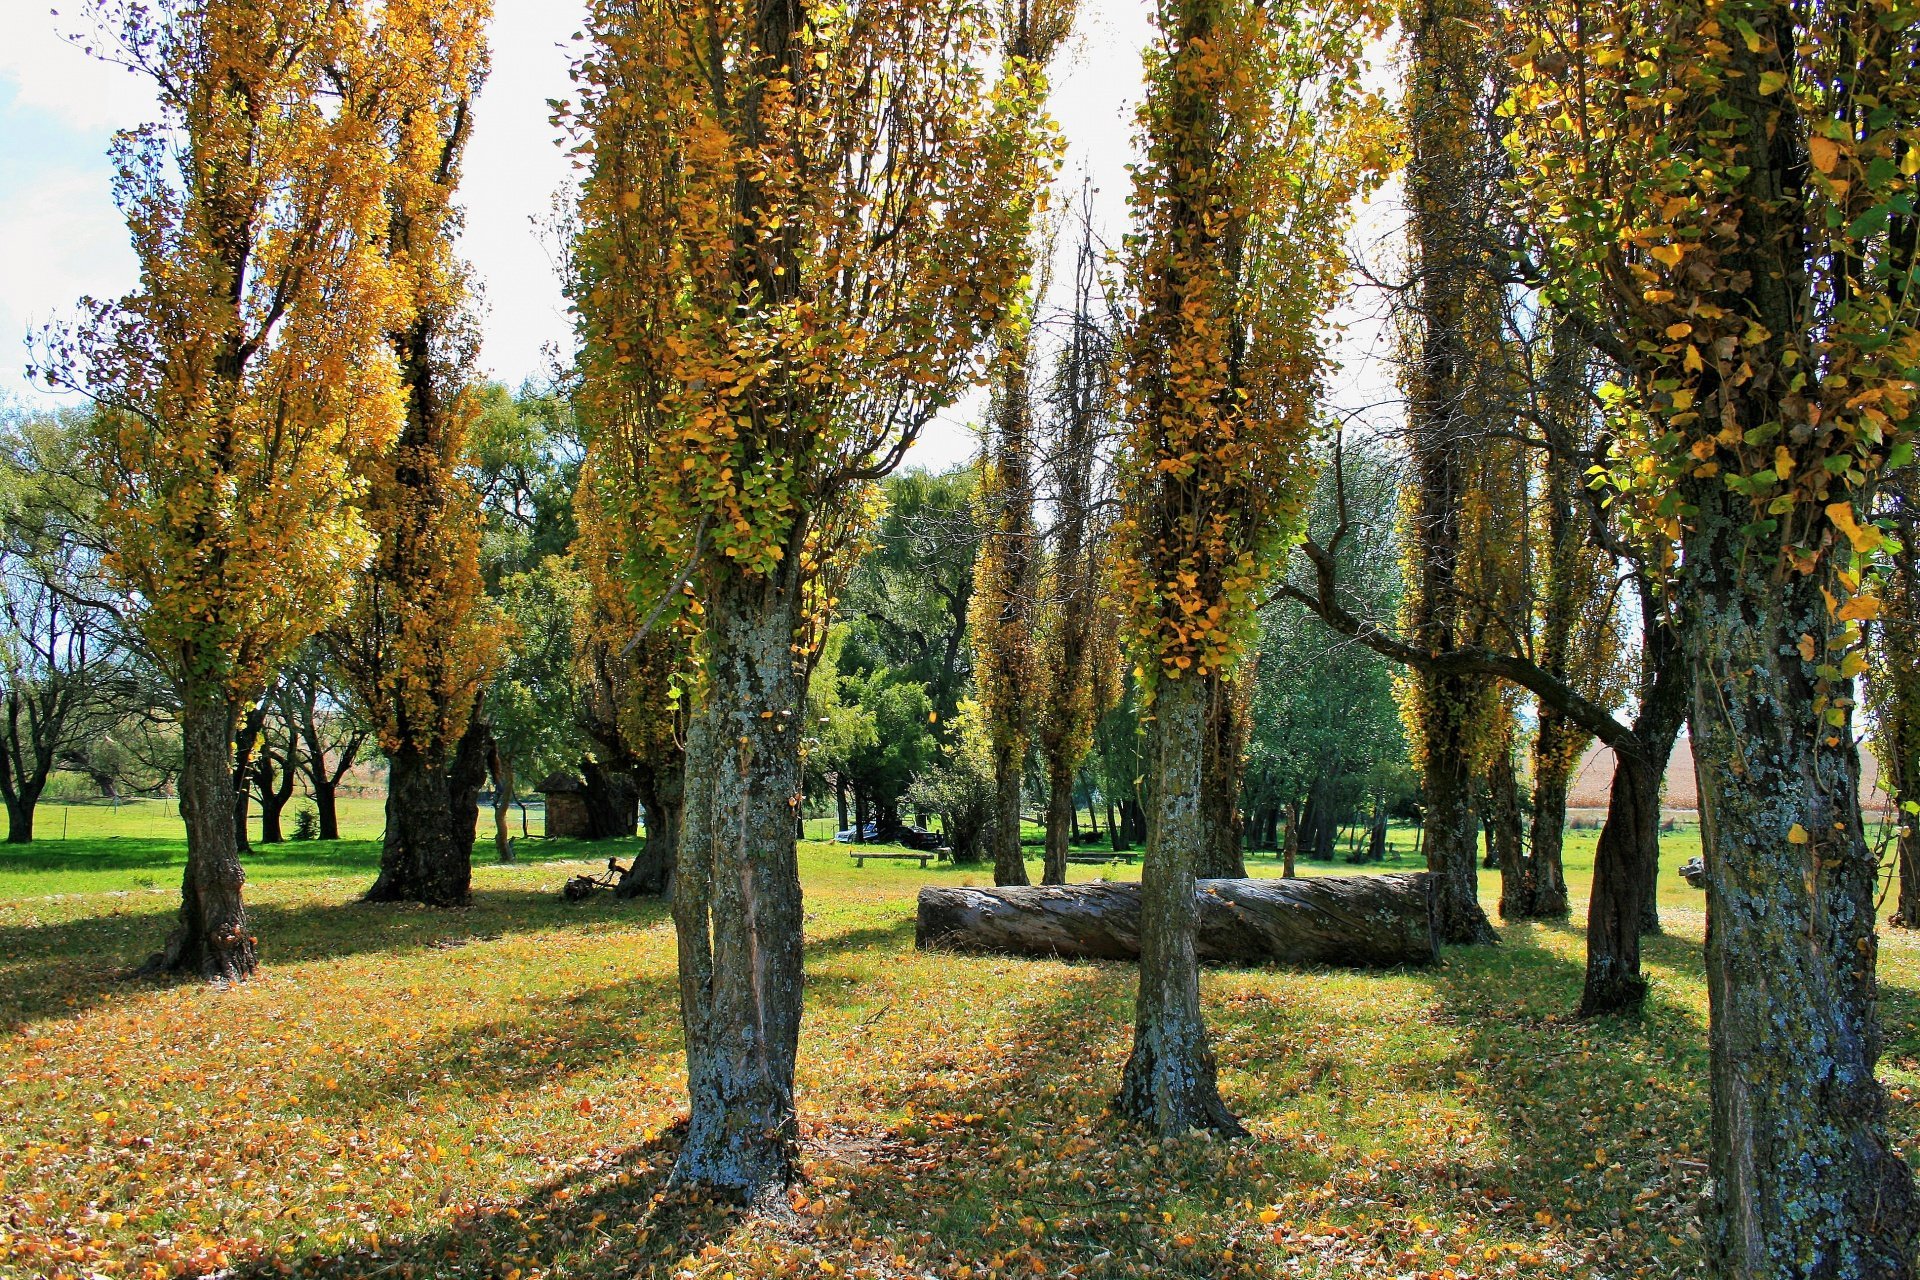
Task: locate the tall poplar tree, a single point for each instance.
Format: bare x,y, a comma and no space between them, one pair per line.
241,383
797,224
1453,297
1253,155
1072,635
1005,609
419,642
1729,187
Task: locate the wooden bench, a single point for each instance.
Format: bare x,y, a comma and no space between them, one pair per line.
1099,859
860,857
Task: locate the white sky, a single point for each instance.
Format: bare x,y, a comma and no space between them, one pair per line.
61,237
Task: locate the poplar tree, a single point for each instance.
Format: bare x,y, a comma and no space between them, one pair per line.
1254,151
1453,298
797,224
419,643
1729,187
1893,687
1075,632
242,383
1004,612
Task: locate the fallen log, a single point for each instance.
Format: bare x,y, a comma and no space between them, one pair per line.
1358,921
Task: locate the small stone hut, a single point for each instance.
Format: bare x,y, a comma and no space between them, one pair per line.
566,806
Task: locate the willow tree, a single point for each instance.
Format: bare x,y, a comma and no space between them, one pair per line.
418,643
797,224
240,383
1729,186
1252,156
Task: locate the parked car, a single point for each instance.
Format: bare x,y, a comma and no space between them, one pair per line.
871,834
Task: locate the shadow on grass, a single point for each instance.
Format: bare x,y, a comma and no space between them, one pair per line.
1562,1093
284,860
933,1185
61,969
548,1039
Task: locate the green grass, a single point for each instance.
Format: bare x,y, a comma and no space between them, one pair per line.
489,1093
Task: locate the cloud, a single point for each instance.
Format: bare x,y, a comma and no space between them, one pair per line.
514,166
53,75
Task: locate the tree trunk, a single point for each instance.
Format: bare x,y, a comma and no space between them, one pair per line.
1550,782
327,807
243,746
1222,767
1906,914
1650,868
1453,836
1446,54
840,801
612,800
1009,862
1361,921
1060,819
1505,834
1377,834
1290,848
467,774
211,938
272,805
421,860
503,787
1613,982
1170,1081
736,900
662,791
20,809
1805,1180
1630,837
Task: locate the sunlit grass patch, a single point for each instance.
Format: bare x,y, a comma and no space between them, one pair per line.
470,1093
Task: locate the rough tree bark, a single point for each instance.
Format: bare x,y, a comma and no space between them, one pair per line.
1613,981
433,815
1630,837
1377,921
1805,1179
612,798
211,938
1170,1081
1060,818
1009,860
736,899
1222,768
1506,836
1552,779
663,793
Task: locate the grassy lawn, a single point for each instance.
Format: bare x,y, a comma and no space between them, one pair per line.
490,1092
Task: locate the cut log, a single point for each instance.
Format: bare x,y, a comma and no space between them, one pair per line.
1358,921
